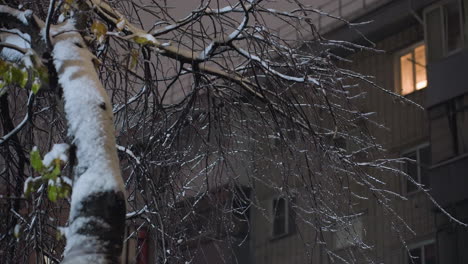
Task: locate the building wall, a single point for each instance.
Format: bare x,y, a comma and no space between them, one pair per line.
407,127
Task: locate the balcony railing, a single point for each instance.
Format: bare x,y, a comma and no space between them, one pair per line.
333,9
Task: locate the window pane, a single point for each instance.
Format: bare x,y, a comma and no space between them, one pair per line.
420,67
442,145
415,256
412,170
424,163
434,37
349,235
341,238
462,123
465,20
406,67
453,27
429,254
279,221
358,229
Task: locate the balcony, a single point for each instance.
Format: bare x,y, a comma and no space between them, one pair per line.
447,78
449,180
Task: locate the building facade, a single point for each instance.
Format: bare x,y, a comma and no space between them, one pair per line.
424,60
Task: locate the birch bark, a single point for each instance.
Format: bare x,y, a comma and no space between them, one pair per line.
97,215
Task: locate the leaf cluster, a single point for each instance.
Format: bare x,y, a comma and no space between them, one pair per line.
50,175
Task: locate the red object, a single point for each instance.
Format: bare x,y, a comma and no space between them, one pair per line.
142,254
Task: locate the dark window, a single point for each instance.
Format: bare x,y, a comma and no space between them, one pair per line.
415,256
434,33
283,217
425,254
417,166
445,29
448,124
280,220
453,27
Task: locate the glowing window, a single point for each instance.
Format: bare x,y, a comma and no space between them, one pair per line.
413,70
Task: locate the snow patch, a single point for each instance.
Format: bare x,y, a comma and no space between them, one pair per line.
17,38
20,15
59,151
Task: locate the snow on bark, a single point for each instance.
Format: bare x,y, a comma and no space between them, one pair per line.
59,151
20,15
17,38
97,213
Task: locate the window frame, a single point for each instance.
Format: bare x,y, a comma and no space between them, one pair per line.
416,149
444,15
421,244
452,110
347,243
287,217
409,49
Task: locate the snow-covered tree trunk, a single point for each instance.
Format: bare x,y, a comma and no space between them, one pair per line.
97,215
96,222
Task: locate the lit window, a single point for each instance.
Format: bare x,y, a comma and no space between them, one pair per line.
422,254
283,220
413,70
349,234
417,167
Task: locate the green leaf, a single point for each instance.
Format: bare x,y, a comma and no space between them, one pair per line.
7,76
36,85
18,77
24,79
52,193
36,161
64,191
4,66
43,74
56,171
58,236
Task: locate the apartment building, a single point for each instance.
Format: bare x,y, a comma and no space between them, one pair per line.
424,60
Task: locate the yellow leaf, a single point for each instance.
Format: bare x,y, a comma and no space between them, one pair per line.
134,58
144,39
120,24
99,30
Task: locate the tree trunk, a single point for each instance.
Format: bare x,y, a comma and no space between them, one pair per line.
97,215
